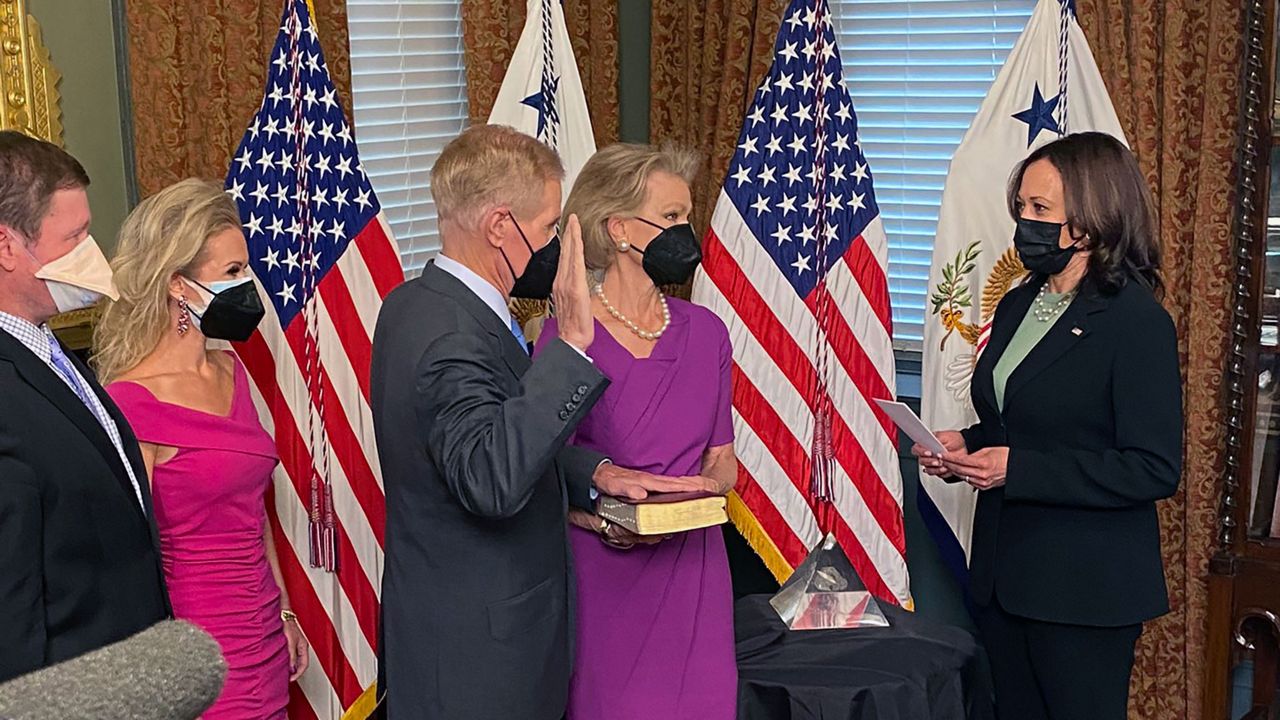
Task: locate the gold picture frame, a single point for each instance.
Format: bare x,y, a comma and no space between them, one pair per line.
31,103
29,98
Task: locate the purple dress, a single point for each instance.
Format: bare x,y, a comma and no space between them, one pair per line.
655,623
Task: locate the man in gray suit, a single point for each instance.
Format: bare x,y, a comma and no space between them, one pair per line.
477,591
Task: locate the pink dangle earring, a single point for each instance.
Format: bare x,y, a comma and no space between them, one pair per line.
184,316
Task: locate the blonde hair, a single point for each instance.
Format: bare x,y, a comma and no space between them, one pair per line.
488,166
615,181
164,235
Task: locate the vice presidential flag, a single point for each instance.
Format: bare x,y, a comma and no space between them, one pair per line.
323,259
795,265
542,95
1049,86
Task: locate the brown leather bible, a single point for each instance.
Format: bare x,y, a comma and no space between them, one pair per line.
664,513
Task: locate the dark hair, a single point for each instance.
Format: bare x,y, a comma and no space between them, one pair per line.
31,171
1106,199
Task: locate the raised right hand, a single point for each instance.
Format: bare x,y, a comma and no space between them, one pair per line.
931,464
569,293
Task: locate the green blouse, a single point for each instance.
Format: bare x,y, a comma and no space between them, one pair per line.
1026,337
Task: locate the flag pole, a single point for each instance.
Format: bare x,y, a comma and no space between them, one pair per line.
1064,48
368,702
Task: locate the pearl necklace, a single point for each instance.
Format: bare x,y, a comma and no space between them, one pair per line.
645,334
1045,312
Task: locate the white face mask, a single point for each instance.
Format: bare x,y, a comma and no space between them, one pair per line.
78,279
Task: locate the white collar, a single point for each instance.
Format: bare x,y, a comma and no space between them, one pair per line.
491,296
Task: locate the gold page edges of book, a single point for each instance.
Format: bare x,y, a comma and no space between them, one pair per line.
664,518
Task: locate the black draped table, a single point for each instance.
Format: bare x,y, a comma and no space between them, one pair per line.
912,670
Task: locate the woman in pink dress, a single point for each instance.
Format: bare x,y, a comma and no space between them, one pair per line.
182,268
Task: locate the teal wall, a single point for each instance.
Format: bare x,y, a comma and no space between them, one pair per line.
633,75
81,37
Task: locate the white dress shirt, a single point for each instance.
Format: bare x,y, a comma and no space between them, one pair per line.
491,295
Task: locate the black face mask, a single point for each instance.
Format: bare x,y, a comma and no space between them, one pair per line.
673,255
233,314
540,274
1038,248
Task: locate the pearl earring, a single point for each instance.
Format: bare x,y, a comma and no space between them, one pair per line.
624,246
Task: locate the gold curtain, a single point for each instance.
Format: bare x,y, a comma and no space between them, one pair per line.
196,73
491,28
1172,68
705,61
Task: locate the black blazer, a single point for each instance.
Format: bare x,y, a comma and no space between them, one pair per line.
477,587
1093,422
79,558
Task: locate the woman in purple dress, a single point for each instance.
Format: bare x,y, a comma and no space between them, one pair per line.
655,615
182,269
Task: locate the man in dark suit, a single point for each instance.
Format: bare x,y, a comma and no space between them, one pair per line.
79,559
477,591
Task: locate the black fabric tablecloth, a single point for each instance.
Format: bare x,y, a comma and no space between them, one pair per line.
913,670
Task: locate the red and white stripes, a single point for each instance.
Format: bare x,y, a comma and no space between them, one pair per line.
772,331
338,612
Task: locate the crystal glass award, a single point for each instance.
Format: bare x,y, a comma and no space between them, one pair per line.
825,592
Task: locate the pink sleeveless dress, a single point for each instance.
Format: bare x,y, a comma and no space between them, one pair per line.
211,513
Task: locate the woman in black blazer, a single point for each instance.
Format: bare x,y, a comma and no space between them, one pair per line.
1079,433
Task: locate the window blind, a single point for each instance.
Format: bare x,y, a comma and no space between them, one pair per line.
409,90
917,71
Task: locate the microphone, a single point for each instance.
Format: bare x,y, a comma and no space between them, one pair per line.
170,671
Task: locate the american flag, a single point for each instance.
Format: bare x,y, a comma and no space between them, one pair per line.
795,264
324,259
